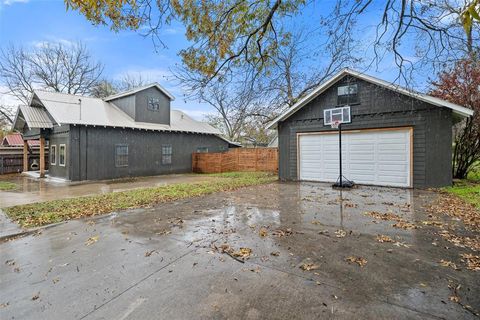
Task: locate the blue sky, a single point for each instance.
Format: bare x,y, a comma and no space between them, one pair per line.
31,22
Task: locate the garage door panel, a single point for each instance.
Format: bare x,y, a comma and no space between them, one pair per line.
361,156
370,157
360,167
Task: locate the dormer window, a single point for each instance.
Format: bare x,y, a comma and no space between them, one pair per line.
153,104
347,94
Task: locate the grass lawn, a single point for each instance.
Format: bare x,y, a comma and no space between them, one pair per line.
469,189
5,185
37,214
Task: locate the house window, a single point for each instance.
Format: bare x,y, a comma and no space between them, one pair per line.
202,150
121,155
341,114
153,104
53,155
347,94
61,155
167,154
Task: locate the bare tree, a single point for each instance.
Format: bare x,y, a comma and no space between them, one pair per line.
128,81
301,66
233,108
6,115
68,69
420,35
103,89
132,80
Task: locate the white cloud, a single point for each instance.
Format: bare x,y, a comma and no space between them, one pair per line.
10,2
148,75
195,113
52,40
8,99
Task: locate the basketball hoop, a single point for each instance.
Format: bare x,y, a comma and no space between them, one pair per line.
335,124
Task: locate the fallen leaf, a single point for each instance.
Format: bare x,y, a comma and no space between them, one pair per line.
263,232
402,224
340,233
446,263
309,266
383,238
10,262
149,253
243,253
91,240
472,261
282,232
358,260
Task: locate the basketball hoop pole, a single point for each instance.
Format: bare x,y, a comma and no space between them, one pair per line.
340,184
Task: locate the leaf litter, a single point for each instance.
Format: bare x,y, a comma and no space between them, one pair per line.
358,260
91,240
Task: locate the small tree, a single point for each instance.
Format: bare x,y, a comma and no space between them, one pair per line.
461,85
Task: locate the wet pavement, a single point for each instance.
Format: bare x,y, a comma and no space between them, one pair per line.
30,190
165,262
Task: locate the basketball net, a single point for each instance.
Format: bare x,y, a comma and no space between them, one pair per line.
335,124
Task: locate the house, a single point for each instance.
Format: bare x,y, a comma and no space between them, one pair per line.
133,133
15,140
395,137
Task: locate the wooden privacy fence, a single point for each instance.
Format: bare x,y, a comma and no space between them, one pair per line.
11,159
239,159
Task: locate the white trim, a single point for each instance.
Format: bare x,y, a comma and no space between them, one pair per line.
53,146
459,110
138,89
64,155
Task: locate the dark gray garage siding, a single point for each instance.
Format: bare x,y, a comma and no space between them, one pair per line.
93,152
379,108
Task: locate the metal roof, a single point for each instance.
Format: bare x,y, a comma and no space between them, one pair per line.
16,140
138,89
34,117
457,109
82,110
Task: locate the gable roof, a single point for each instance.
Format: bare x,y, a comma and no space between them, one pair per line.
16,140
138,89
457,109
34,117
81,110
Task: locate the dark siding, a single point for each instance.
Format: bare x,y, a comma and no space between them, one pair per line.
93,152
127,104
60,135
142,114
378,108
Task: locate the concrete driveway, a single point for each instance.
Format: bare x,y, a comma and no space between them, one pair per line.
167,262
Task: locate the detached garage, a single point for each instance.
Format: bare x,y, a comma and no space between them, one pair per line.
392,136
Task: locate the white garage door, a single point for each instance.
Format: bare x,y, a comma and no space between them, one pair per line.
377,157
